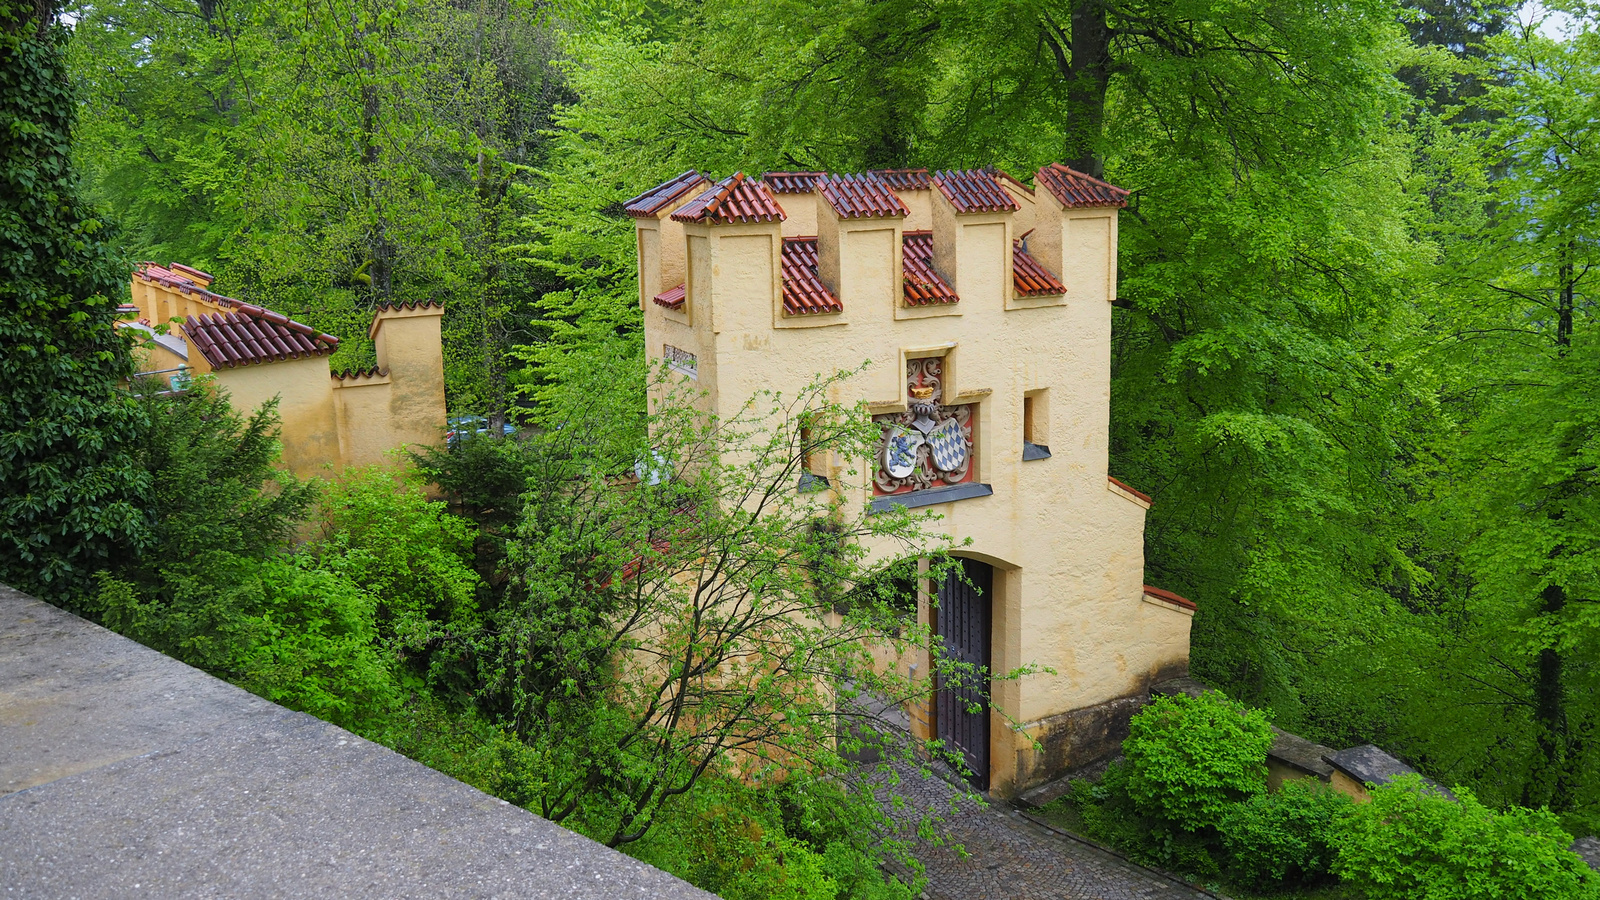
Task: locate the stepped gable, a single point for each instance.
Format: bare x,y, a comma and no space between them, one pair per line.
251,335
1076,190
860,196
733,200
672,299
792,182
803,292
1030,278
653,201
922,285
905,179
974,190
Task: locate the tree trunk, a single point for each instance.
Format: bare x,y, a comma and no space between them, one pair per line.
1087,76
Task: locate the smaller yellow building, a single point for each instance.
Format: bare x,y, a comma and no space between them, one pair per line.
330,419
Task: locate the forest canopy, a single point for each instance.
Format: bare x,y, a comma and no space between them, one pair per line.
1354,354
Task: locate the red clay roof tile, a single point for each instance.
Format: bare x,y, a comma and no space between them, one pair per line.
974,190
921,284
1170,597
1029,277
1076,190
354,374
653,201
860,196
791,182
905,179
251,335
1137,493
735,199
409,305
674,298
803,291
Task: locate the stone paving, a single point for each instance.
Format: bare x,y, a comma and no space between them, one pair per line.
1010,857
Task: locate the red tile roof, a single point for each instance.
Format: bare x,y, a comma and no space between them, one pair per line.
653,201
860,196
169,277
1076,190
1030,278
905,179
191,272
733,199
791,182
251,335
921,284
672,299
1170,597
974,190
803,291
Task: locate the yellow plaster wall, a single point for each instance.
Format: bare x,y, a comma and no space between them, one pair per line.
801,211
1068,550
310,432
407,345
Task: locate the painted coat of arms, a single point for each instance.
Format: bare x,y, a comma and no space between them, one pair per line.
929,444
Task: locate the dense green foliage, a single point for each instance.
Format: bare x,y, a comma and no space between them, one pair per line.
1189,759
1414,843
1289,837
69,491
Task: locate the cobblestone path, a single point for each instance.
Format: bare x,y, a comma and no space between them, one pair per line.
1009,857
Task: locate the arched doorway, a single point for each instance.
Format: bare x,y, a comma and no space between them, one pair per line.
965,623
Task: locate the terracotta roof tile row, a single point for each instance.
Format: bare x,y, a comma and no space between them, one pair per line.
922,285
409,305
251,335
167,276
1134,491
803,291
974,190
1170,597
905,179
352,374
672,299
1076,190
1029,277
735,199
792,182
191,272
860,196
653,201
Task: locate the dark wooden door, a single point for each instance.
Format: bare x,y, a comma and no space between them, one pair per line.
962,710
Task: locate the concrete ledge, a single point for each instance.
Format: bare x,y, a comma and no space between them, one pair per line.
914,499
132,774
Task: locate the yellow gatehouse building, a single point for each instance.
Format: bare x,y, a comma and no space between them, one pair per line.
984,306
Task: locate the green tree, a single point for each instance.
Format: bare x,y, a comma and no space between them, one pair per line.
69,490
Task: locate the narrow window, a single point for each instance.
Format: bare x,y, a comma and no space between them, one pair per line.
1035,426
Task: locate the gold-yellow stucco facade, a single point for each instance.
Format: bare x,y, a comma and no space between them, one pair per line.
330,421
1066,544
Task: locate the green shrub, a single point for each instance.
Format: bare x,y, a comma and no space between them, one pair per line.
384,534
1413,843
1191,758
1108,814
1284,838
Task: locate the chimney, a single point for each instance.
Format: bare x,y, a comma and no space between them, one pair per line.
860,227
799,193
662,266
1075,230
733,232
972,235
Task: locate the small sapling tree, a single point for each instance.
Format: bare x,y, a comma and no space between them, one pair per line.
686,605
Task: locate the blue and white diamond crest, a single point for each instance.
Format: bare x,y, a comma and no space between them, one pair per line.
948,446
